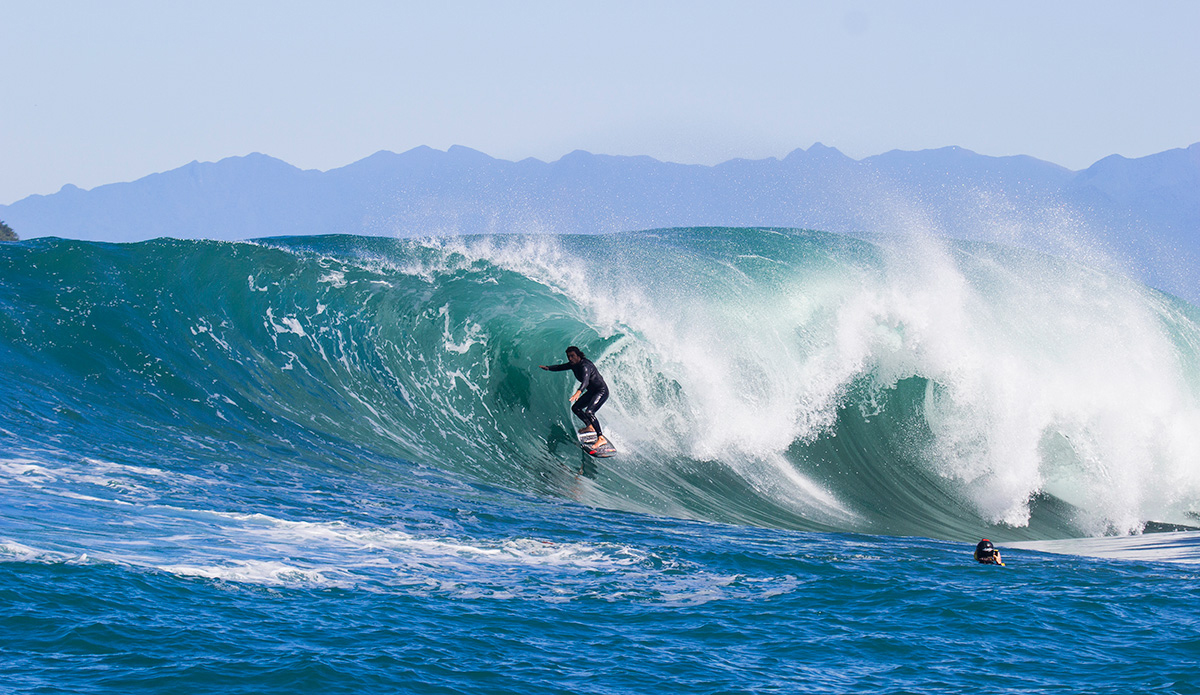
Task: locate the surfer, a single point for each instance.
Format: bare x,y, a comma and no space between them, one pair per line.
590,395
987,554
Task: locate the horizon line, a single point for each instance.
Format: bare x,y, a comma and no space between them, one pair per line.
817,146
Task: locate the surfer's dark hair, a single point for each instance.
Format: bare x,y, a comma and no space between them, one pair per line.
577,351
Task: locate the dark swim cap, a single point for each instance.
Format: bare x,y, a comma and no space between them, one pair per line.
984,548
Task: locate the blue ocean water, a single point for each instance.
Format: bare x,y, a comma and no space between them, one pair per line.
332,465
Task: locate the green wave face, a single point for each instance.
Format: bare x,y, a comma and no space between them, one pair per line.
771,377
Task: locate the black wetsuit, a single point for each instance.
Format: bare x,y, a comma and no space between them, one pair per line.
595,391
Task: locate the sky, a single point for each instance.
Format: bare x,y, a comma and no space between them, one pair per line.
100,92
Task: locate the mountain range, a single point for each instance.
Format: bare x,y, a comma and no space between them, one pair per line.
1145,211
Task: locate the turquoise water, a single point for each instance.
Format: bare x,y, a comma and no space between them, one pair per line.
331,465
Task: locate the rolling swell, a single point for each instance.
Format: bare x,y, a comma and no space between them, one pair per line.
777,378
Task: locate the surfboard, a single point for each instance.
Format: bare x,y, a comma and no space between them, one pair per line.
587,442
602,452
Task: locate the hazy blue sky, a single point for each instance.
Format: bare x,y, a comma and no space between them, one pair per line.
96,92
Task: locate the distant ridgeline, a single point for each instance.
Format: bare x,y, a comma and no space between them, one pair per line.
1147,209
7,233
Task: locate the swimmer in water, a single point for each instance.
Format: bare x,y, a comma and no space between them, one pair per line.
986,553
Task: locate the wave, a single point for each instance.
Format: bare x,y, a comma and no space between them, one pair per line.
782,378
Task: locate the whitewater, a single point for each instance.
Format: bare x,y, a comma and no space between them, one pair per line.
331,464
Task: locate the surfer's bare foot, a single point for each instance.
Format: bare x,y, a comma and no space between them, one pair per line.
601,441
585,430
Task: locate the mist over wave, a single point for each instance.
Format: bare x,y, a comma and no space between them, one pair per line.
770,377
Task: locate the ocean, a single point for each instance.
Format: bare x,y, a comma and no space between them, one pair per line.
331,464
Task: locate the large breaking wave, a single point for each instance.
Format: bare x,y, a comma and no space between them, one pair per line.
771,377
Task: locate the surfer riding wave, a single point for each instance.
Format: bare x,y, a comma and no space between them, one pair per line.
591,394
